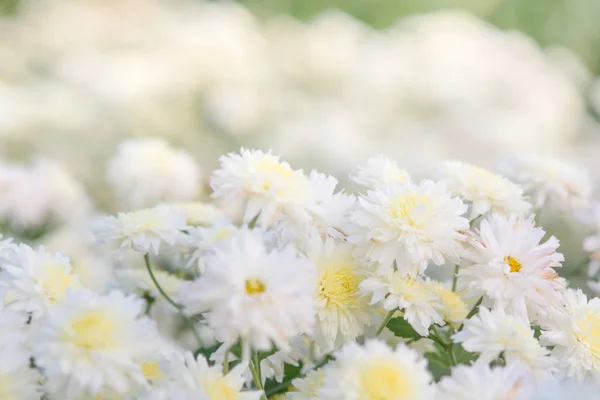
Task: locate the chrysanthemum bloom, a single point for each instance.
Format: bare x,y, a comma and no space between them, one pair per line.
142,230
194,379
478,382
199,214
452,307
550,181
494,333
250,293
147,171
575,334
380,171
308,386
32,281
376,372
485,190
420,304
89,344
342,312
255,183
410,224
512,267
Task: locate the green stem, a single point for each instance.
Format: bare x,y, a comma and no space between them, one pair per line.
179,307
256,377
385,322
455,277
471,313
226,362
160,289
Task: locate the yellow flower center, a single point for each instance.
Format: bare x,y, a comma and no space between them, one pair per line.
384,381
254,286
454,308
94,330
151,370
514,265
56,280
223,233
338,286
219,388
589,326
403,206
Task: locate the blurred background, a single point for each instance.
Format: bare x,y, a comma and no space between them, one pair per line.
109,105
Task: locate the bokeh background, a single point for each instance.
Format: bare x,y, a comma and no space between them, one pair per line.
326,84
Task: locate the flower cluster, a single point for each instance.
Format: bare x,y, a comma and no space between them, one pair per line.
285,286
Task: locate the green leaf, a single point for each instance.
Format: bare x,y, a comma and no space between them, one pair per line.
461,355
402,328
438,365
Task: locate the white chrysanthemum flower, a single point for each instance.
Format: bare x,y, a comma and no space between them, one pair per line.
421,305
200,214
307,387
194,379
254,182
15,336
451,306
512,267
342,312
575,334
410,224
480,382
90,344
147,171
548,180
485,190
376,372
18,381
332,222
203,239
139,282
494,333
32,281
380,171
142,230
248,292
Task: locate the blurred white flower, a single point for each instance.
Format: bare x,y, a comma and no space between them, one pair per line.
380,171
480,382
375,371
89,344
33,281
142,230
145,172
574,332
550,181
254,184
485,190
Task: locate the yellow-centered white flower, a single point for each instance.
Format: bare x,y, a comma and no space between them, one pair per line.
376,372
494,333
410,224
90,344
342,312
250,293
380,171
33,281
575,334
485,190
512,267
